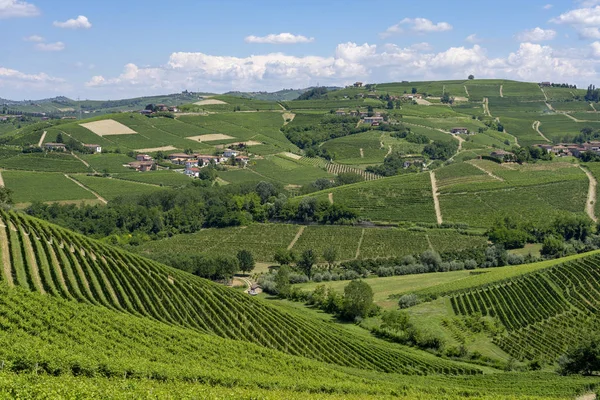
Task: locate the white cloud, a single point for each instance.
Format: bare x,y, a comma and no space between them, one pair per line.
585,21
548,6
17,8
536,35
595,49
81,22
473,38
57,46
417,25
281,38
17,81
34,38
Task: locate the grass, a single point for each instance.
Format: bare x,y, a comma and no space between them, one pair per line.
110,188
28,187
44,162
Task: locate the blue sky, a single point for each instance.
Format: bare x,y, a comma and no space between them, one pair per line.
117,49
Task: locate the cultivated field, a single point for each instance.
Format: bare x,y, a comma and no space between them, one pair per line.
108,127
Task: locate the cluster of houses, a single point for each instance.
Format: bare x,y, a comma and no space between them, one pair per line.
374,120
571,149
143,163
159,108
193,162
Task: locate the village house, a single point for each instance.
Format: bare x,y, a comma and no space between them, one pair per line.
460,130
373,120
501,154
94,148
55,146
162,107
193,172
340,112
143,157
191,163
357,84
145,112
354,113
228,153
410,96
416,162
242,160
142,166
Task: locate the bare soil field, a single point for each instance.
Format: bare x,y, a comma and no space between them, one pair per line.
210,137
152,149
209,102
291,155
108,127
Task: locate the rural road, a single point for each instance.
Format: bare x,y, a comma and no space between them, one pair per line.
591,197
42,139
102,199
436,200
536,126
545,97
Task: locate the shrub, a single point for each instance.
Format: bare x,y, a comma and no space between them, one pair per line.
408,300
515,259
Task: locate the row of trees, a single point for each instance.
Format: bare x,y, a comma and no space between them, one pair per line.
218,268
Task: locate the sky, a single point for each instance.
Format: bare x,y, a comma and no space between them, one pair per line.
119,49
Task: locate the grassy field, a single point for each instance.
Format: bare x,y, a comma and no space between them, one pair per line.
28,187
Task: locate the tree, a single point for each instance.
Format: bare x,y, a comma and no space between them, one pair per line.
471,77
307,260
246,261
581,359
59,138
330,255
395,320
358,300
390,105
414,90
346,178
284,257
282,281
265,190
6,195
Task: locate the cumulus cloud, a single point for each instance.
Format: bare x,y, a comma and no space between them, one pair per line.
595,49
34,38
57,46
536,35
19,81
81,22
473,38
281,38
17,9
417,25
585,21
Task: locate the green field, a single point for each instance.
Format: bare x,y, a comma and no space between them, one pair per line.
110,188
160,178
28,187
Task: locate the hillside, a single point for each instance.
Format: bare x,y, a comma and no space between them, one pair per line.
96,315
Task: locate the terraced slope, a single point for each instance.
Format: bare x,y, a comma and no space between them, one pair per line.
544,311
47,259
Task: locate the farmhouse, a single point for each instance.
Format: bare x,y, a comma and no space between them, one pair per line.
146,112
230,153
410,96
142,166
460,130
143,157
192,172
191,163
357,84
94,148
242,160
55,146
501,154
373,120
340,112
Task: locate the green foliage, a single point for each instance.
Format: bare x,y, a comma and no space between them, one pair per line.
358,300
246,261
583,358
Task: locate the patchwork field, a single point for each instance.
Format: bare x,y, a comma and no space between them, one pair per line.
108,127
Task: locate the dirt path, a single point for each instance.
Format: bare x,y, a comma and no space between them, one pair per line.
536,127
591,197
460,143
33,265
544,93
282,107
330,195
486,107
501,94
83,161
389,151
486,171
102,199
593,108
587,396
300,231
362,235
41,142
362,154
6,267
466,91
436,200
429,242
1,179
550,107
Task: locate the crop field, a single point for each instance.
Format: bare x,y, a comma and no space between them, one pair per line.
337,169
586,116
160,178
44,162
241,176
557,127
110,188
562,94
446,124
108,127
319,238
460,173
28,187
572,106
399,198
432,111
94,273
263,240
510,106
287,171
110,162
522,129
225,103
477,92
81,134
327,105
543,312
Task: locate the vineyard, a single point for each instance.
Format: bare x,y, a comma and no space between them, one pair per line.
544,311
47,259
337,169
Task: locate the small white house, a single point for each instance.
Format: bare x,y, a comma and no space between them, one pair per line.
192,172
95,148
230,153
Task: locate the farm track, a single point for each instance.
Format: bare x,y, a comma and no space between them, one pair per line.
42,139
362,236
436,200
544,93
486,108
593,108
82,161
591,197
536,127
486,171
429,242
501,94
102,199
466,90
1,179
330,196
362,153
295,239
286,116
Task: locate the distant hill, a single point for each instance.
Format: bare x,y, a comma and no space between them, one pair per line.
281,95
